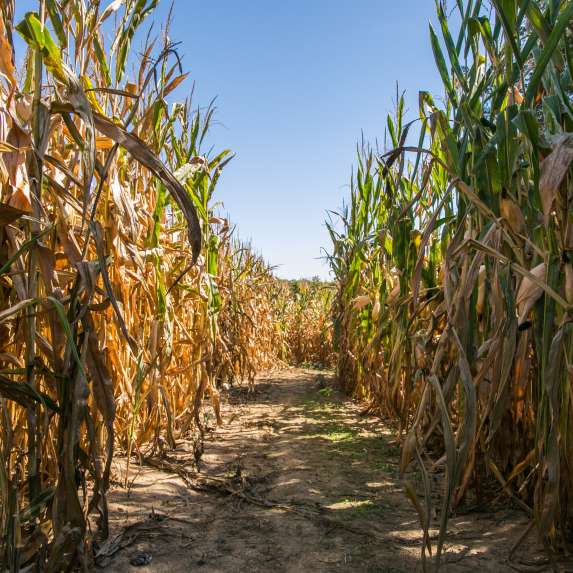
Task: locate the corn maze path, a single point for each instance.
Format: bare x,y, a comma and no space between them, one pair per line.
316,489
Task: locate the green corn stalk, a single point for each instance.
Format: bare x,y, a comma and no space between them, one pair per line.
472,223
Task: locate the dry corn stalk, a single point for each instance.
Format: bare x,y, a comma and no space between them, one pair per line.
125,302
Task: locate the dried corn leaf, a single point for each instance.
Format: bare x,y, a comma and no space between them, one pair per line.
529,293
554,168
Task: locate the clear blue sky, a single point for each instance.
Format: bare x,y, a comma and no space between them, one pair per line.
297,81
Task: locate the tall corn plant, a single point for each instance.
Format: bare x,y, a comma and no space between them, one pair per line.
114,272
302,315
66,167
472,226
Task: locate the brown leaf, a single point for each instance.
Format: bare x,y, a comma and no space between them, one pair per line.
24,394
99,373
15,165
376,310
47,262
174,83
9,214
394,293
361,301
529,293
511,212
6,56
14,309
554,168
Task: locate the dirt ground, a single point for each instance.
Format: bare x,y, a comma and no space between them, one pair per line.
316,489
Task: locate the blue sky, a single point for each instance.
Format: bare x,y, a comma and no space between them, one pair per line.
296,82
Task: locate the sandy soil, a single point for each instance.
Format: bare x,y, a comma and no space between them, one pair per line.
316,490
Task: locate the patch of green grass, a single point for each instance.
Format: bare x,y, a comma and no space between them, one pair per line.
326,392
311,403
373,451
335,433
322,397
340,436
389,468
354,508
371,446
348,441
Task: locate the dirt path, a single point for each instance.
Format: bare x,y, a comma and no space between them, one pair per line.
296,442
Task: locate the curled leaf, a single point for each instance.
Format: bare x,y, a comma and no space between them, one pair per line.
554,168
6,56
361,301
24,394
529,293
511,212
376,310
141,152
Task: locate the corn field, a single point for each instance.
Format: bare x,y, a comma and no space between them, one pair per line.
453,262
125,300
303,316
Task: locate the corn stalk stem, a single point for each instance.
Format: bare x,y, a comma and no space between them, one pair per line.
35,165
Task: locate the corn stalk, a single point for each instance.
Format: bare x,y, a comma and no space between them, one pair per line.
453,268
